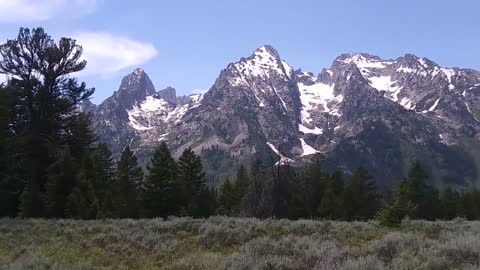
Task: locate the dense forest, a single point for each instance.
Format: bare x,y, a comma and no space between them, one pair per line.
53,166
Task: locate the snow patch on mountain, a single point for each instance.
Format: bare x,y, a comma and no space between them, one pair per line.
406,70
363,62
260,64
146,110
407,103
283,159
386,83
153,104
449,73
307,149
383,83
431,109
288,69
470,111
306,130
312,96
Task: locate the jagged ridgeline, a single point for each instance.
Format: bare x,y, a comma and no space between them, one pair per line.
363,110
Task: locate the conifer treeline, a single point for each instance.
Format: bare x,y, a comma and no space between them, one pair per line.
51,164
296,193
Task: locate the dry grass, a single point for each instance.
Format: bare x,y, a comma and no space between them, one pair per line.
234,243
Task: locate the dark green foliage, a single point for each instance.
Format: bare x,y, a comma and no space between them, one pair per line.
128,182
91,197
240,187
421,194
359,200
195,193
298,204
450,203
332,197
80,136
105,176
205,203
11,183
162,189
470,204
45,99
226,198
399,207
413,198
316,181
258,201
61,180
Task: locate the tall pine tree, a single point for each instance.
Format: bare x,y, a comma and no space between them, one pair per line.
192,179
38,71
360,199
60,183
162,190
128,182
11,184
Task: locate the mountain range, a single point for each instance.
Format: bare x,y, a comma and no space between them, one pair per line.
362,111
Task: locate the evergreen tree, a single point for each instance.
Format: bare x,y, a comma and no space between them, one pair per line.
38,69
335,183
11,184
470,204
205,203
316,182
192,178
422,195
450,203
285,180
298,205
90,196
231,193
162,191
257,201
105,176
360,199
60,183
129,179
80,136
329,205
240,186
226,198
399,206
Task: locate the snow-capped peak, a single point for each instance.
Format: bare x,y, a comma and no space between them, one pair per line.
364,61
266,51
262,63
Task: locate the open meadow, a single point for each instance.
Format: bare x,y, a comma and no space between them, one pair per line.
236,243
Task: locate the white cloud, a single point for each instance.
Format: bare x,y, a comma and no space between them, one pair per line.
107,53
14,11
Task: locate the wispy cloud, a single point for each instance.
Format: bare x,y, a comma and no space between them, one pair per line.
14,11
107,53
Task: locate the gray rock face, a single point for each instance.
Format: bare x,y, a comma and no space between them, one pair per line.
169,95
363,110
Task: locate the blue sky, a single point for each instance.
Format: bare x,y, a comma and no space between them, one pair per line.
185,44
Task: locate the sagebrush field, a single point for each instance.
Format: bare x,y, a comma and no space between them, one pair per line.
234,243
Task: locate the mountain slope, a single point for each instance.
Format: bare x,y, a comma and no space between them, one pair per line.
363,110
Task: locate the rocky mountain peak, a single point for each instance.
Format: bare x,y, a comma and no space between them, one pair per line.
139,72
134,88
363,111
169,94
266,51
